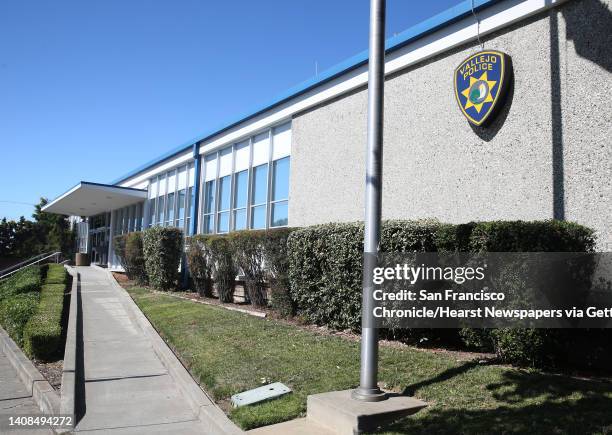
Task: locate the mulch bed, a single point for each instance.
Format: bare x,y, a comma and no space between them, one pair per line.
51,371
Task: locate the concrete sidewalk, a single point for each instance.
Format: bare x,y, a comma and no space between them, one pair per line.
16,398
126,388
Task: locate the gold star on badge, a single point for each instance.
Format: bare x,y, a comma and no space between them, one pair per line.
488,98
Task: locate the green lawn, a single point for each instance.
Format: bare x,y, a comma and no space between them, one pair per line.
231,352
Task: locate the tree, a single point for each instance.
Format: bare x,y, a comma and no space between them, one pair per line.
55,228
25,238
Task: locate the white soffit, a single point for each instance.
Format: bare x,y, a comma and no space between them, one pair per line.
89,199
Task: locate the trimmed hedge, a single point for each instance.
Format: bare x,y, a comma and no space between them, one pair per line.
200,264
162,249
248,254
135,259
42,336
25,281
119,247
19,297
536,347
325,263
224,268
277,265
129,249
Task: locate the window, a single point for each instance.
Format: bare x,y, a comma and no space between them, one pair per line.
209,207
259,195
225,159
280,193
180,196
247,185
225,194
170,210
161,203
190,198
171,189
241,180
151,212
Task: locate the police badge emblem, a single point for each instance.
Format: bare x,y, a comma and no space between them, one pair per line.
481,84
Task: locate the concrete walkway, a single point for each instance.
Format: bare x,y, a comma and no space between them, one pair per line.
126,389
15,398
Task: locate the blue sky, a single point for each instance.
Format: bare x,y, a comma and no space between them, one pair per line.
90,90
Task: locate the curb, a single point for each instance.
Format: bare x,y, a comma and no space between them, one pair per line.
43,393
225,307
68,391
212,418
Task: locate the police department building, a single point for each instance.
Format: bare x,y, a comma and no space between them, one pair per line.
500,111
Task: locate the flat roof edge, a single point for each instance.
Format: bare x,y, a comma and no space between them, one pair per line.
88,183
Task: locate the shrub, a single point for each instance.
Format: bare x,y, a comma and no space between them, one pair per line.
530,347
119,247
325,263
535,236
135,259
56,274
18,300
129,250
25,281
42,336
277,267
248,249
15,312
199,260
162,248
223,267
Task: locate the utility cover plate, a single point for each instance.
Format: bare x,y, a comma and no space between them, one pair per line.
267,392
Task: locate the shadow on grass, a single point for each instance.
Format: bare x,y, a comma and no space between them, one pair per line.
520,402
583,416
410,390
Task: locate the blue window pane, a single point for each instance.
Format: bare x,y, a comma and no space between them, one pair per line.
190,198
280,214
260,184
181,204
225,192
223,222
280,182
208,224
160,210
240,219
258,218
241,189
209,197
170,208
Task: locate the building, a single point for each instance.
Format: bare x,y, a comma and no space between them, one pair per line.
300,159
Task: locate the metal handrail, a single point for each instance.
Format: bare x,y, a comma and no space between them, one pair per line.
24,262
30,262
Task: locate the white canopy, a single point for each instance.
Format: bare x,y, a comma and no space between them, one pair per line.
89,199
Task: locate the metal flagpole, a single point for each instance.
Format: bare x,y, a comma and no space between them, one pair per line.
368,386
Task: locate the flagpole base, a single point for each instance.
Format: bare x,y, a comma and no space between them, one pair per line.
368,394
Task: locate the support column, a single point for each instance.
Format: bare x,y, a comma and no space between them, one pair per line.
111,233
193,212
196,189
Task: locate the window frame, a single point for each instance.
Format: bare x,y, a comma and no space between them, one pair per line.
268,204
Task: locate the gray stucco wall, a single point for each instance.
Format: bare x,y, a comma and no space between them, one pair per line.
548,154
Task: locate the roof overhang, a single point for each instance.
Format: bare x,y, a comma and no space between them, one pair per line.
89,199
